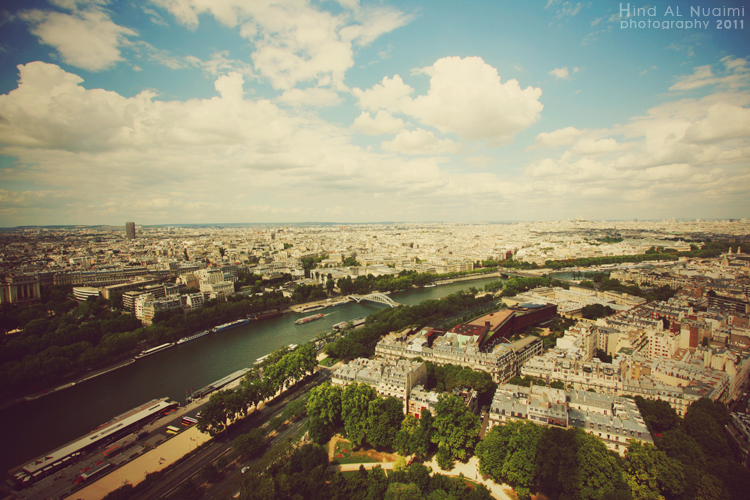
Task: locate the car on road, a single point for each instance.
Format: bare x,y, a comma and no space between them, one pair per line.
245,469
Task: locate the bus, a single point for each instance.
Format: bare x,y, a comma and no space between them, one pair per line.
171,429
112,451
189,421
94,473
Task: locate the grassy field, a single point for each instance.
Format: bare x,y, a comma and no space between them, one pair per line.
329,361
344,454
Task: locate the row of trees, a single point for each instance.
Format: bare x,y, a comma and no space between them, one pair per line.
361,342
304,473
528,381
308,293
363,285
493,286
708,250
225,407
367,418
53,299
516,285
391,283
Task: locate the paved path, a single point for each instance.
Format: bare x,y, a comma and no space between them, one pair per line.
470,470
368,466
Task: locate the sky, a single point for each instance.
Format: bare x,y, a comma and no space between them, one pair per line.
258,111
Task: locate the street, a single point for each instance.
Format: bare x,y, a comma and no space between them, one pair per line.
223,444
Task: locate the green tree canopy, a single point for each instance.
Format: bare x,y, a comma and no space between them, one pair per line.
508,452
456,429
383,416
324,411
652,475
355,404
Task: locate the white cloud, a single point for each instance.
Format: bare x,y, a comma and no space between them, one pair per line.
218,64
683,155
314,97
589,146
234,157
383,123
154,17
561,73
723,121
87,38
420,142
561,137
392,94
372,22
293,40
479,161
734,74
565,9
466,96
190,160
701,76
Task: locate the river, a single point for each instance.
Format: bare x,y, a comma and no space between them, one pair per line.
35,427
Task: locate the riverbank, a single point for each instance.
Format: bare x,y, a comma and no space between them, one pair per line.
83,376
469,278
72,381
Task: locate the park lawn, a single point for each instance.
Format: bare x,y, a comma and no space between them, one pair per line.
343,454
329,361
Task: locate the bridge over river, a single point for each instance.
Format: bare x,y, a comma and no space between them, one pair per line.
380,298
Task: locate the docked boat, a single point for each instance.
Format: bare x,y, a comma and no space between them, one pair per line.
154,350
430,285
355,323
266,315
358,322
312,308
233,324
307,319
193,337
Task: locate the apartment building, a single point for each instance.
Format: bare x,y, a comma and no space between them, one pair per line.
390,378
612,419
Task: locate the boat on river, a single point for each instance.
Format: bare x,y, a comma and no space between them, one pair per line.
307,319
193,337
233,324
154,350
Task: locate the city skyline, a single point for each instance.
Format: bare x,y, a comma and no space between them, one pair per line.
174,112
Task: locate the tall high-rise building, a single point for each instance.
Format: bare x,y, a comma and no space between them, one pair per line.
130,230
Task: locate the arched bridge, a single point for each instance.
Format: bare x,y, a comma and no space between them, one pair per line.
376,297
